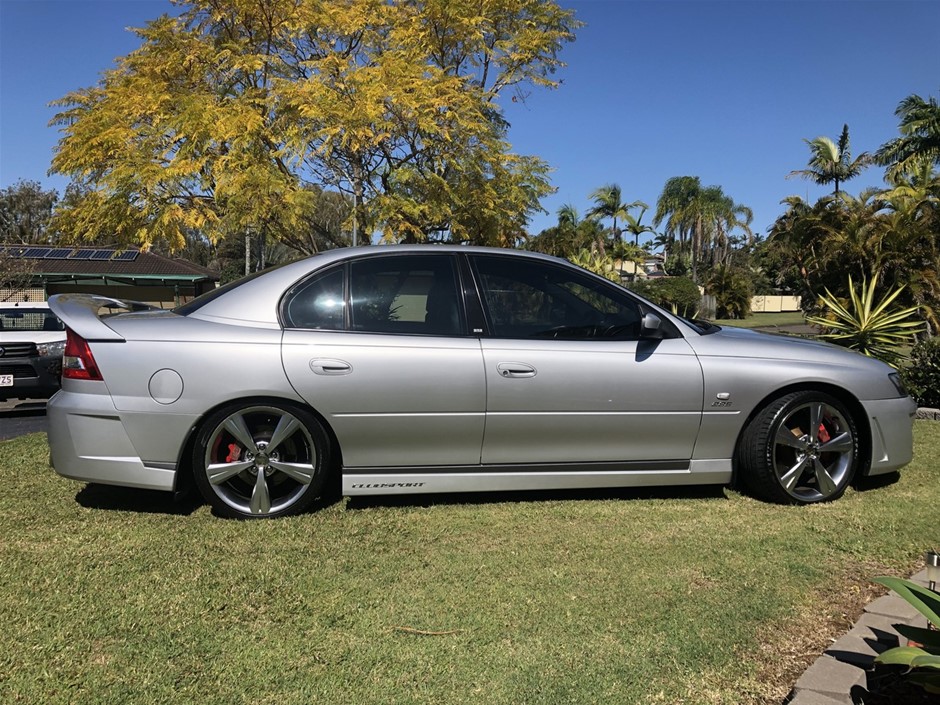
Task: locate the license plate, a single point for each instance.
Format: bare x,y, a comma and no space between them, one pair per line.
6,380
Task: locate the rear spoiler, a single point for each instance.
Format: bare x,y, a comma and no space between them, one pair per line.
82,313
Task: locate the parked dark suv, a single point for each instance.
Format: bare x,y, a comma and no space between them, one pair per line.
32,340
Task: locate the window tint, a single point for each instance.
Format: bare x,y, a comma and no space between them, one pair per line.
318,303
526,299
405,294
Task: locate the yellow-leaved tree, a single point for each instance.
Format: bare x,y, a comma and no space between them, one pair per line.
241,116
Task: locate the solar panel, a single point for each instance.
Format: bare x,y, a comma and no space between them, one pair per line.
36,252
82,254
58,253
99,255
127,256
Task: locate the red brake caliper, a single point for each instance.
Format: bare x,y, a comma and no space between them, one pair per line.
823,434
234,453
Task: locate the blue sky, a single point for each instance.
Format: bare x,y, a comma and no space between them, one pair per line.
725,91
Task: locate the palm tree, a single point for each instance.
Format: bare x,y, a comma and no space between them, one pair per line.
832,163
728,216
909,252
568,216
607,204
674,206
920,137
568,236
634,226
702,216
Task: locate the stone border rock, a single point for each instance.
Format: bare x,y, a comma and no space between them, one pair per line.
847,663
926,413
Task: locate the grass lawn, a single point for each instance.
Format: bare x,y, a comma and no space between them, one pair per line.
110,595
766,320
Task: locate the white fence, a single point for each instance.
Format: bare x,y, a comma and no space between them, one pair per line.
774,304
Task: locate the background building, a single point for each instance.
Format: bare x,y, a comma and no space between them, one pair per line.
34,273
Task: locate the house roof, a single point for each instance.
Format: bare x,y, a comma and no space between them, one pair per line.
108,262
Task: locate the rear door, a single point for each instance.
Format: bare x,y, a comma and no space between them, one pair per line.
379,346
570,381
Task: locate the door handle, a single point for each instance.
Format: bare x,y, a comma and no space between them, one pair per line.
515,369
326,366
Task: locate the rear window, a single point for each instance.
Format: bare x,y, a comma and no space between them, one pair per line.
200,301
29,320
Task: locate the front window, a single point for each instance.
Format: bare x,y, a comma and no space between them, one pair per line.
526,299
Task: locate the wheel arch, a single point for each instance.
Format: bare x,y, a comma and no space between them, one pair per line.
184,466
852,404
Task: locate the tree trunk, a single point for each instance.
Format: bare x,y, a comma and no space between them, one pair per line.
247,252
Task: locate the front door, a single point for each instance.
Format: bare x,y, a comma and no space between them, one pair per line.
568,378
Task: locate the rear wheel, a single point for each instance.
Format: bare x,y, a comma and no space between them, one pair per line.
260,460
800,449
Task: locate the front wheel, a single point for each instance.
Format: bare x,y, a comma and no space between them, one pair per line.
799,449
260,460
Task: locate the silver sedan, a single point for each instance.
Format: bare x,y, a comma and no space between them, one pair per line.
455,369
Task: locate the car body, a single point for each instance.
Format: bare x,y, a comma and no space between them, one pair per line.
421,369
32,340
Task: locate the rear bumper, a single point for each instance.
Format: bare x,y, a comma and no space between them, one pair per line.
88,442
892,433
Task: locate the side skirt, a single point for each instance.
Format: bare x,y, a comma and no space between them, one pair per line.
506,478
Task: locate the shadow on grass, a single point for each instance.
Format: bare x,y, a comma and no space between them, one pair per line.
713,492
129,499
25,410
863,484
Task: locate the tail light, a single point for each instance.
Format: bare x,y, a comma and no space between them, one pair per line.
78,362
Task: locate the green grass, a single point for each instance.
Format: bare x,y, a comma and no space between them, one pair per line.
766,320
110,595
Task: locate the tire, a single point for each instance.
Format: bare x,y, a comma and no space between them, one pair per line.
801,448
261,460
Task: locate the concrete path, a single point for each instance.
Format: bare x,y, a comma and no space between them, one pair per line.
21,416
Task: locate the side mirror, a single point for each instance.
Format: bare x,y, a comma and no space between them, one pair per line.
651,327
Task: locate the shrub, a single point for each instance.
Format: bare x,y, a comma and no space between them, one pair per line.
678,294
732,289
594,261
922,377
872,328
922,662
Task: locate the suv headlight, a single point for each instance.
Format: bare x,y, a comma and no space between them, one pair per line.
51,349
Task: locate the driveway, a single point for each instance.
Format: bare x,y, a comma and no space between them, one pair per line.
21,416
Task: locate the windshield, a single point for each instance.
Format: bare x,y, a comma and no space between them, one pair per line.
29,320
